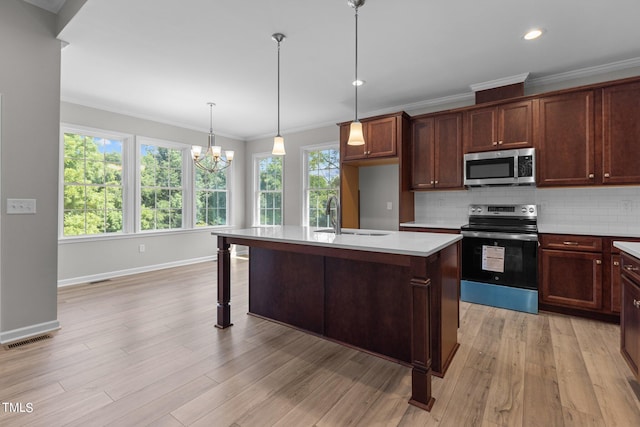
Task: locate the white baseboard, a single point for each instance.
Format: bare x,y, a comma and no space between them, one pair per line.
20,334
119,273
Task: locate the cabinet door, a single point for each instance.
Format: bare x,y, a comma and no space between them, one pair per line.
349,152
630,324
621,134
448,151
480,134
515,125
380,137
422,151
572,279
616,287
564,138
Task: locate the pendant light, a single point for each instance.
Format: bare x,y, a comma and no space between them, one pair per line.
356,137
278,140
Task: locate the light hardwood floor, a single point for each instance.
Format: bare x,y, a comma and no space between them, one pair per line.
142,350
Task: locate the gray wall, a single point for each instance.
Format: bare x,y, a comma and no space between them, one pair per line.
30,88
82,260
379,186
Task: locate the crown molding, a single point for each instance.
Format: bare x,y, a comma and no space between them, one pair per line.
586,72
504,81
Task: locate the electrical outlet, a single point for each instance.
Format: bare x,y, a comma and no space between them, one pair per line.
21,206
389,206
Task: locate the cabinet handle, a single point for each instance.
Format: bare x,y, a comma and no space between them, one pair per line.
495,143
436,181
431,182
606,175
570,243
616,263
499,142
598,261
636,303
591,176
630,268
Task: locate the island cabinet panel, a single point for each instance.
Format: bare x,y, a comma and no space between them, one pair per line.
369,309
436,152
630,315
621,134
287,287
501,127
564,139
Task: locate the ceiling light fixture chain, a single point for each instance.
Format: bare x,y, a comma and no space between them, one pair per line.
278,140
356,136
212,160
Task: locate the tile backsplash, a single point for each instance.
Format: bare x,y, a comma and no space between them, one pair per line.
608,210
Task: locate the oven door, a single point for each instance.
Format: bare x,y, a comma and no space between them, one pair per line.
507,259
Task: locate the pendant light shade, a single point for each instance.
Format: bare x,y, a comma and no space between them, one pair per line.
278,140
356,136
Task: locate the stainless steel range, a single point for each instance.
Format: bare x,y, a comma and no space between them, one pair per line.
499,257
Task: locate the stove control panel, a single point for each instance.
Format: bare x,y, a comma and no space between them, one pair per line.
526,211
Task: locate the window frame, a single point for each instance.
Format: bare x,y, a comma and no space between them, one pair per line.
127,194
305,174
256,189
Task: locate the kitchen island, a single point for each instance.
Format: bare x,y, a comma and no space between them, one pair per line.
394,294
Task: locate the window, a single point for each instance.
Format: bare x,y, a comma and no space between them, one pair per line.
211,198
110,185
321,181
93,188
160,187
269,190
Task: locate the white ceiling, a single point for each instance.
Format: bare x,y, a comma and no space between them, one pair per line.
165,59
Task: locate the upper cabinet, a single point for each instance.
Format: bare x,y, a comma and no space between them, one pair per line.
621,134
381,135
436,151
589,137
499,127
564,138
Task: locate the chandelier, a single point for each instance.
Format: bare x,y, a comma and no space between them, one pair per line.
211,161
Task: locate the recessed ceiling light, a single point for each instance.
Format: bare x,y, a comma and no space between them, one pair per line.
533,34
358,82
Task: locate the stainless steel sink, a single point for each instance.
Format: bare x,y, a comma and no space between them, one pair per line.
354,232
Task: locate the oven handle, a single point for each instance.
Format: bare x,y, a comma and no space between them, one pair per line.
495,235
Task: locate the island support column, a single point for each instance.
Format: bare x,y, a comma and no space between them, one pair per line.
224,284
420,334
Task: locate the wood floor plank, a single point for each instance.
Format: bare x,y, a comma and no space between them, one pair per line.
143,350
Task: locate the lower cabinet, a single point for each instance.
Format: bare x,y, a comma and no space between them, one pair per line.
630,314
580,275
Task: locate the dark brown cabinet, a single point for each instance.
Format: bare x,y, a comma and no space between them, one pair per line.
380,135
564,138
630,314
436,151
500,127
621,133
571,271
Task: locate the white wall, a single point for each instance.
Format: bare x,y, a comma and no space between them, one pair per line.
89,260
379,186
30,87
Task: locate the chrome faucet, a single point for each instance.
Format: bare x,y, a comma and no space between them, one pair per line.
337,227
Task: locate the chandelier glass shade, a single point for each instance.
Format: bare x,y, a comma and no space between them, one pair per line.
211,160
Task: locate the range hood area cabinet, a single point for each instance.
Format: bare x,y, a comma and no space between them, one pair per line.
436,151
589,137
499,127
387,137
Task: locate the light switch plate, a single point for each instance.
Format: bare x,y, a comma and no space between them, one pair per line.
21,206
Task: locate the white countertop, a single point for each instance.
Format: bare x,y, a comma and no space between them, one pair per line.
610,230
392,242
632,248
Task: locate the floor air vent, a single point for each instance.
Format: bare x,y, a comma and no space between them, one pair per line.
25,342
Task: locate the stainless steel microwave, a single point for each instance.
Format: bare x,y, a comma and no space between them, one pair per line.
503,167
